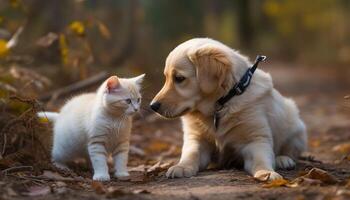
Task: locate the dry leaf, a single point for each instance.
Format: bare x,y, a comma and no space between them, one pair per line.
98,187
323,176
141,192
104,30
37,191
47,40
303,181
276,183
342,148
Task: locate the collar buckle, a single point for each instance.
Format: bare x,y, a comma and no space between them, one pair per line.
237,89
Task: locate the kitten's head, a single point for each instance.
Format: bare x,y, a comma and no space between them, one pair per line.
122,95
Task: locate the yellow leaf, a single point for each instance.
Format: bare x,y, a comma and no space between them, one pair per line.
4,50
43,120
15,3
63,48
276,183
77,27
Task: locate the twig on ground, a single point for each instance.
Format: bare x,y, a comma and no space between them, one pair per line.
17,169
74,87
4,146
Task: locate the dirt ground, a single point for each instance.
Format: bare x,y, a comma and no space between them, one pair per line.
319,94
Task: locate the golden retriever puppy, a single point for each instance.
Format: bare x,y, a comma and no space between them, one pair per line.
258,130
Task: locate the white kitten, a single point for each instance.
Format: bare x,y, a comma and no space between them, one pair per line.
95,125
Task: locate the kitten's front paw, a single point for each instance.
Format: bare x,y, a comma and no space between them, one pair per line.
285,162
121,174
267,175
179,171
101,177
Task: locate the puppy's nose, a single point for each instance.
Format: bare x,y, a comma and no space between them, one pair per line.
155,106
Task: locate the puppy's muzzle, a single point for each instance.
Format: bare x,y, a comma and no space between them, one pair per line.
155,106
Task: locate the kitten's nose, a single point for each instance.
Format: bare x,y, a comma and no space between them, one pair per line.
155,106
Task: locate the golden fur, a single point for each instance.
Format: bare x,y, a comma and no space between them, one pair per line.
259,129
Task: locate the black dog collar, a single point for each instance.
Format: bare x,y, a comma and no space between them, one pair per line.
237,89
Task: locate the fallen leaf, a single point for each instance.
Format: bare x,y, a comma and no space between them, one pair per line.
47,40
322,175
4,50
343,192
141,192
77,27
98,187
342,148
303,181
43,120
276,183
37,191
104,30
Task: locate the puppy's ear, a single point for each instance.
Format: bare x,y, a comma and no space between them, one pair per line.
212,67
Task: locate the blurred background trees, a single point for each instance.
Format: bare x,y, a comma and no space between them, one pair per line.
76,38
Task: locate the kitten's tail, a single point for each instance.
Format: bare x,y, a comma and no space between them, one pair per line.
51,116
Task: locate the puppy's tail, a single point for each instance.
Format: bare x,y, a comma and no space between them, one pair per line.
50,116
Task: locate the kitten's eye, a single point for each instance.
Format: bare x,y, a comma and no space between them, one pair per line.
128,101
138,100
179,78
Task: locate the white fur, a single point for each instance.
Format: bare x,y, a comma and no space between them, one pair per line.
88,126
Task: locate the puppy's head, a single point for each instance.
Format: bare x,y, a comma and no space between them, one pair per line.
195,71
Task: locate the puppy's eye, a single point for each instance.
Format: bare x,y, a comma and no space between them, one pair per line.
128,101
179,78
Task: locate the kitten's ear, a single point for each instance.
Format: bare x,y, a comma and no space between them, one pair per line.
139,79
112,83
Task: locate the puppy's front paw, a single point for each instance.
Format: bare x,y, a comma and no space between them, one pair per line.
101,177
285,162
179,171
267,175
121,175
